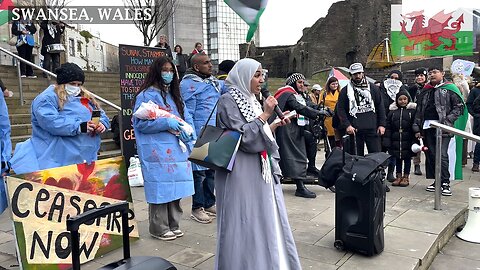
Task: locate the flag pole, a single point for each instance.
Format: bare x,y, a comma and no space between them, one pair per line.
248,49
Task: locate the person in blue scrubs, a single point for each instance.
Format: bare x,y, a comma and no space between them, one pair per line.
5,149
62,130
167,173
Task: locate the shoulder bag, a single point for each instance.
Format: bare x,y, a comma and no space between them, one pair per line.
216,148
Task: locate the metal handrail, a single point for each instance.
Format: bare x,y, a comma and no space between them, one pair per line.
18,58
438,155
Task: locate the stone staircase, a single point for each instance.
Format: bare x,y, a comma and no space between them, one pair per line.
103,84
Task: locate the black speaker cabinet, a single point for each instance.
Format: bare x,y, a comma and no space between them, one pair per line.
359,212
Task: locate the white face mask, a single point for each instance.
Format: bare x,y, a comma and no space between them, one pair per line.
72,90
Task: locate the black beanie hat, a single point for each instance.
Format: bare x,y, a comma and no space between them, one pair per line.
226,66
69,72
403,93
421,70
398,72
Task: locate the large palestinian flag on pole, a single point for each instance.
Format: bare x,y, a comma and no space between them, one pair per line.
432,30
250,11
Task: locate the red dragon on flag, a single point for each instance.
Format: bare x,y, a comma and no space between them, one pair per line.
438,28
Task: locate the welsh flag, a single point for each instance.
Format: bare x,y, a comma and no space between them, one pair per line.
421,30
250,11
4,12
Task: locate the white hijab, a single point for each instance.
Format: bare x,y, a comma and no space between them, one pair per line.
241,75
239,78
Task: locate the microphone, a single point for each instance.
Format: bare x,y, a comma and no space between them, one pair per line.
277,110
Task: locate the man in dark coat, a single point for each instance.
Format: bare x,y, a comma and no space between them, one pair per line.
291,138
473,106
442,102
361,112
52,34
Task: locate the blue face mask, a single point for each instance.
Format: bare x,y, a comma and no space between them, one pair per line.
167,77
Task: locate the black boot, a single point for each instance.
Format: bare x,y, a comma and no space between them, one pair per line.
417,171
390,176
302,190
313,171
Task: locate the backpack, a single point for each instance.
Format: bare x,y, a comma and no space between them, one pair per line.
115,128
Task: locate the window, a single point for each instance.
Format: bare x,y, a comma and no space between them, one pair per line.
71,47
79,46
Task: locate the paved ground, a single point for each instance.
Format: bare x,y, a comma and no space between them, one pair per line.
413,233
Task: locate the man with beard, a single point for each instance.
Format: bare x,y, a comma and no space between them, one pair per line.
291,138
414,90
201,91
361,112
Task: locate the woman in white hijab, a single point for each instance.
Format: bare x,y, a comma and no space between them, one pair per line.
252,226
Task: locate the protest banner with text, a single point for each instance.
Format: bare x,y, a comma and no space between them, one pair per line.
41,203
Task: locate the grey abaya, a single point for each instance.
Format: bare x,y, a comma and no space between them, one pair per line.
246,234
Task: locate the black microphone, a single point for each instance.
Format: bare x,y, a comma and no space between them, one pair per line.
266,94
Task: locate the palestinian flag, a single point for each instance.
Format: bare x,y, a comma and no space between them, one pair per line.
430,30
250,11
4,12
455,148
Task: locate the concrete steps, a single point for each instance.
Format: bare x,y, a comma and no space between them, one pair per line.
104,84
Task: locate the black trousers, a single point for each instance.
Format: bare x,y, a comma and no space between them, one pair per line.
368,137
311,147
51,61
430,141
25,51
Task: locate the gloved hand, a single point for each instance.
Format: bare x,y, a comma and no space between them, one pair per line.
184,136
326,112
174,124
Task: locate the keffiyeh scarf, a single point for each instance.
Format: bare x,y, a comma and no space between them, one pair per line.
250,111
359,98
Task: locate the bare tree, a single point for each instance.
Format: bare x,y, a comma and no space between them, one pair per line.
161,12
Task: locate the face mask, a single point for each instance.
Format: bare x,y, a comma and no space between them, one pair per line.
167,77
72,90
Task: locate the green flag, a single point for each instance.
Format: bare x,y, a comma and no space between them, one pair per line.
456,146
250,11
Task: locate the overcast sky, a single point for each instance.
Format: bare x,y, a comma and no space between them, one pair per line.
281,23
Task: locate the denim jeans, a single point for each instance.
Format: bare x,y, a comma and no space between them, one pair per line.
204,189
476,154
399,165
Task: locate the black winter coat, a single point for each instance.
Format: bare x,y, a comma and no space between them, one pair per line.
47,37
473,106
399,135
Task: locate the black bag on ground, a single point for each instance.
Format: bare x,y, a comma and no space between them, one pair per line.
115,128
359,201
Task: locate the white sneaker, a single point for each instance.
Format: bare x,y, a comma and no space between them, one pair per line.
166,236
178,233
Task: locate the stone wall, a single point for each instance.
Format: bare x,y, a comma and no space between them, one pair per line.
346,35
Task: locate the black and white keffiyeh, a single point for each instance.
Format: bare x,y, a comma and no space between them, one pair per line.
238,81
245,107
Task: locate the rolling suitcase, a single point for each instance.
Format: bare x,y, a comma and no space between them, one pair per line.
130,263
359,201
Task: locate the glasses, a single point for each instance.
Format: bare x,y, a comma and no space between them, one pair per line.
435,71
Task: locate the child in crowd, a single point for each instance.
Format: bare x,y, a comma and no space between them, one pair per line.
399,135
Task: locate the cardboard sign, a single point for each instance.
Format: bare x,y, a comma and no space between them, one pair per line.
41,203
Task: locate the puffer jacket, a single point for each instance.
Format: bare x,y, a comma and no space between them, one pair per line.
449,105
399,135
